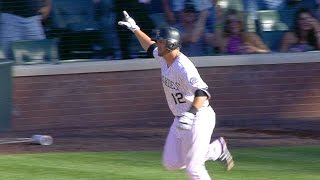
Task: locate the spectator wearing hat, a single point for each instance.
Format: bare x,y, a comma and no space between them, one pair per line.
173,10
195,37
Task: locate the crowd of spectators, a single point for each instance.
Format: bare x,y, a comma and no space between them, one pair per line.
208,27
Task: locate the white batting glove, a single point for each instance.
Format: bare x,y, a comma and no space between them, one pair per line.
186,121
129,22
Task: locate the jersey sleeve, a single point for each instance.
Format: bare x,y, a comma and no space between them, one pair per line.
151,48
193,80
155,53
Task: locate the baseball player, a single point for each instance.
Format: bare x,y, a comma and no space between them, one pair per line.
188,143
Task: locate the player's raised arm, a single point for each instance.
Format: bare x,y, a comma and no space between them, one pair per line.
129,22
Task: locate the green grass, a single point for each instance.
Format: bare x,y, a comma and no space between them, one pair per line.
277,163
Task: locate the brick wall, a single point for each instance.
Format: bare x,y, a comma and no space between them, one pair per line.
271,95
278,95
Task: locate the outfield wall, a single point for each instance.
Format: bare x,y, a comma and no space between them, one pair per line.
266,91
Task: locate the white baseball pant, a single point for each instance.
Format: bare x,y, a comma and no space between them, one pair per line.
190,149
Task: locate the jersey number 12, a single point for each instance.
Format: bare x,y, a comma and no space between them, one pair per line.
178,98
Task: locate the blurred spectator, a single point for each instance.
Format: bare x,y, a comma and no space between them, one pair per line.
284,8
305,35
298,4
278,4
174,9
138,11
105,17
156,13
194,35
22,20
235,40
271,4
293,6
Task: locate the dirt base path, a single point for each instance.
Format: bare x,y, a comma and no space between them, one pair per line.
147,138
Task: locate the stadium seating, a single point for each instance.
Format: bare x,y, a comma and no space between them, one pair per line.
73,15
35,51
271,28
270,21
73,22
1,54
231,4
287,16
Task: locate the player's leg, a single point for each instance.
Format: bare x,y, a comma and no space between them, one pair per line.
196,144
218,150
8,33
215,150
226,156
33,29
171,158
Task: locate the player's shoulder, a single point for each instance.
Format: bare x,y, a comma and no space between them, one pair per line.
185,62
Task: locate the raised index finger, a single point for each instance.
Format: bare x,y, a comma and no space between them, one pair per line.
126,15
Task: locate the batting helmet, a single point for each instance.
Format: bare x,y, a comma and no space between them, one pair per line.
171,35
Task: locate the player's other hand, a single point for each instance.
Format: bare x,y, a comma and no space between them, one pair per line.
129,22
186,121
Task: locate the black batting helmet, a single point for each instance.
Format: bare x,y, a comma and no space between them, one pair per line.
171,35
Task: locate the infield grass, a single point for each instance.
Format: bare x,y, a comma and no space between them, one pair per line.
276,163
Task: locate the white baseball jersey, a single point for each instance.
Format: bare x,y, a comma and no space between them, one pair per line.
180,81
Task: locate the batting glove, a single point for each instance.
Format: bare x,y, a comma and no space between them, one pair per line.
186,121
129,22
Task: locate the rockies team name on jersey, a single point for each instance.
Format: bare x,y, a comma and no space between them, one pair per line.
170,84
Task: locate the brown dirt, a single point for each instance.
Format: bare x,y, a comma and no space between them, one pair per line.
147,138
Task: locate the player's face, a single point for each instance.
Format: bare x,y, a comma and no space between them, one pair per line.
162,47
